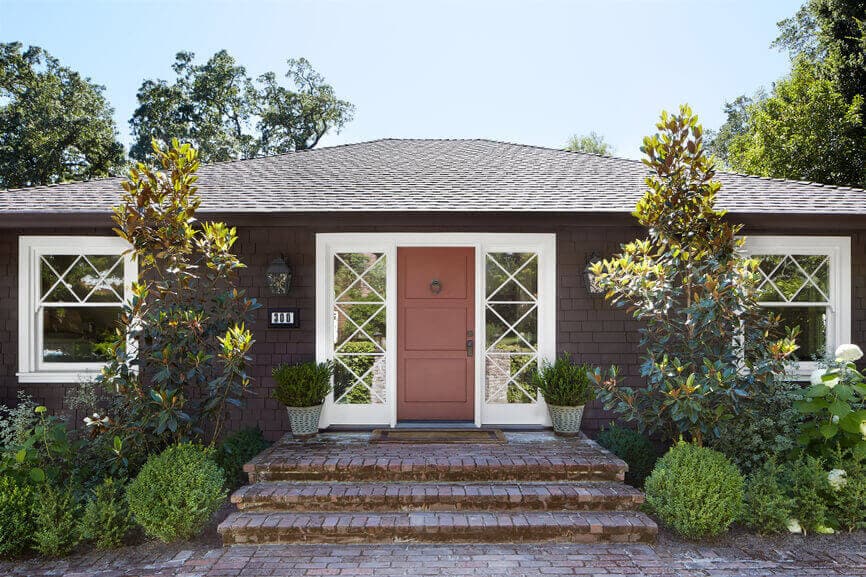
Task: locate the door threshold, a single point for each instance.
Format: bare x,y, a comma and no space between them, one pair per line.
435,425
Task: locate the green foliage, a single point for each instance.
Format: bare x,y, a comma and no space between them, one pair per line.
18,422
766,426
357,357
767,507
564,383
592,142
236,450
847,501
186,314
55,126
696,491
56,514
806,483
44,452
106,520
176,493
834,411
302,384
805,129
16,516
707,343
227,115
812,124
631,447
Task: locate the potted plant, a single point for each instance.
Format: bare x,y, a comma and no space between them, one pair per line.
302,388
566,388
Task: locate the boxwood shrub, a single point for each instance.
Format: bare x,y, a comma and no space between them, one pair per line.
16,516
696,491
631,447
106,519
176,493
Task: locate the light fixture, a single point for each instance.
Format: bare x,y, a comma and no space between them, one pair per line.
279,276
593,287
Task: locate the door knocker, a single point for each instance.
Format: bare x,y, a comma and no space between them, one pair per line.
435,286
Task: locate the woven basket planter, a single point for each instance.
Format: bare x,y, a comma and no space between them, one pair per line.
566,420
304,420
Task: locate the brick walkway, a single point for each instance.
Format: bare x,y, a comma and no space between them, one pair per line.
843,555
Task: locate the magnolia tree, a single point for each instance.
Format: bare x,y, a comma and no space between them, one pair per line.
706,342
180,358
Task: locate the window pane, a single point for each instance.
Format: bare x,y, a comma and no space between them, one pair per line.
794,278
360,318
78,334
511,319
813,329
82,278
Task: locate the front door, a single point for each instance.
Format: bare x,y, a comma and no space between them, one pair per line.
435,339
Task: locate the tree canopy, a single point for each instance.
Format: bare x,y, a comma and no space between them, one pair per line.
55,125
227,115
592,142
812,124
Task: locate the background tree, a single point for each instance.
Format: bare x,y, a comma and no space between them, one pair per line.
55,126
227,115
812,124
592,142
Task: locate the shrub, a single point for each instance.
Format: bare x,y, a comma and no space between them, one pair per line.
106,519
806,482
176,493
767,507
695,490
564,383
56,513
847,495
834,407
16,514
631,447
18,422
303,384
765,427
236,450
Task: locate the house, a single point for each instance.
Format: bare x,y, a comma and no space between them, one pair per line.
435,272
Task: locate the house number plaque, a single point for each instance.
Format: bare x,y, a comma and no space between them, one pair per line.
283,318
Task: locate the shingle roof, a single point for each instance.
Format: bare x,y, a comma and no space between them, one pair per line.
438,175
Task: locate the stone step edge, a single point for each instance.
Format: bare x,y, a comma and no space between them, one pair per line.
284,527
440,496
436,472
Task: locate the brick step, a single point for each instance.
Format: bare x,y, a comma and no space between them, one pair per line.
330,496
430,469
488,527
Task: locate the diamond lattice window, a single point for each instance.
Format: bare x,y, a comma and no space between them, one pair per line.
797,287
80,300
359,316
511,320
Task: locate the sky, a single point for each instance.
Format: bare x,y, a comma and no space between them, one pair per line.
532,72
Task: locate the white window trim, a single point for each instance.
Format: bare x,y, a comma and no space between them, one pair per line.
30,251
386,414
838,248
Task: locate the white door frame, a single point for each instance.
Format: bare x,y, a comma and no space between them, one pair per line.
327,244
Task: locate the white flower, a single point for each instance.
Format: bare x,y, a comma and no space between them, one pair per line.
848,353
96,421
863,429
816,378
794,526
834,419
837,478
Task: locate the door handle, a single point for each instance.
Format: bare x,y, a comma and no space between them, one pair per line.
470,348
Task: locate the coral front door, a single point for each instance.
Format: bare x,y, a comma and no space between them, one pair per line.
435,333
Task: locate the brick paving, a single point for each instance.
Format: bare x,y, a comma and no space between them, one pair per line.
790,556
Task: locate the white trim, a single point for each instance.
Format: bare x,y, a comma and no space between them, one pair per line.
386,414
30,251
838,249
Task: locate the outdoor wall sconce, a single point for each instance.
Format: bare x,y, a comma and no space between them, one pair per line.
279,276
592,285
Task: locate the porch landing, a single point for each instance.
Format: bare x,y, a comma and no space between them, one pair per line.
339,488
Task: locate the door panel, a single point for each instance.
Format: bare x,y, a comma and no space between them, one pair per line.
435,317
